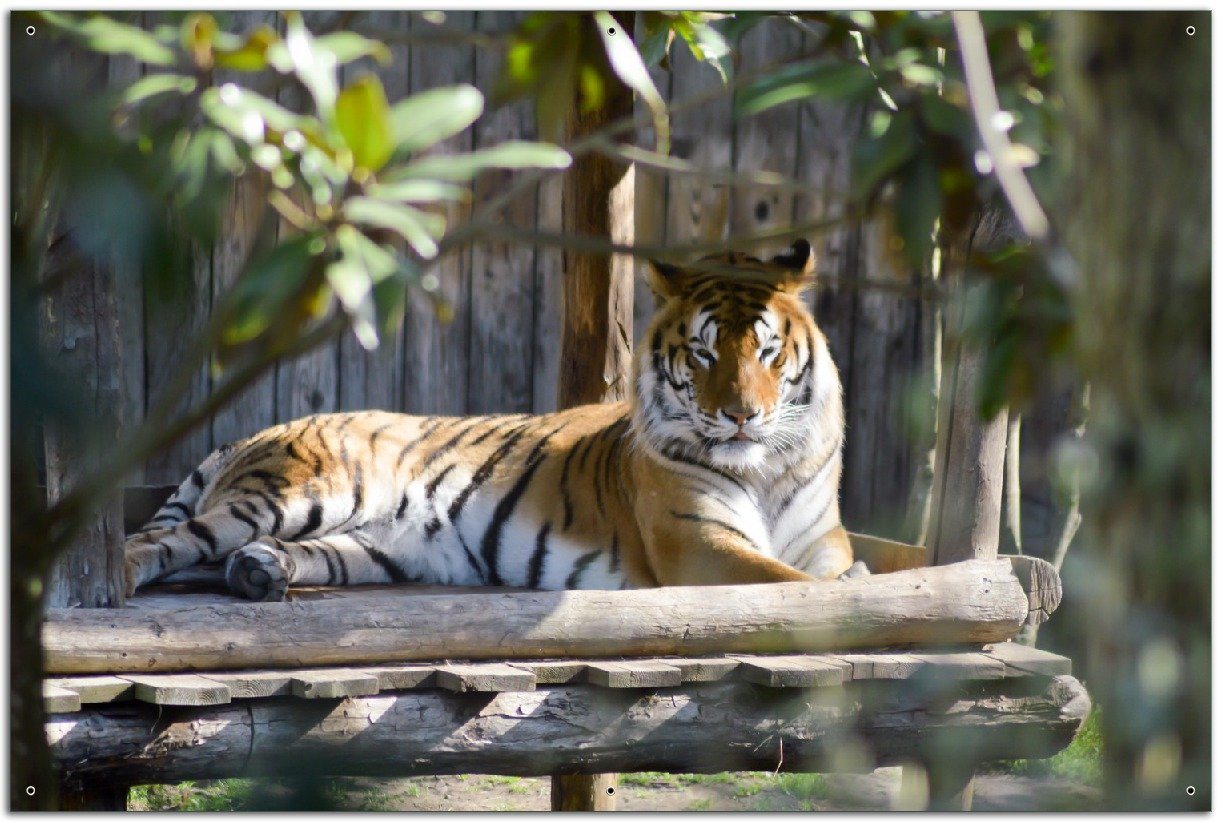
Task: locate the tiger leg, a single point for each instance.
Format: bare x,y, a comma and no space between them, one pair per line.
830,556
207,537
263,570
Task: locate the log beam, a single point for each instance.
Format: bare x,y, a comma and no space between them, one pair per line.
973,602
573,729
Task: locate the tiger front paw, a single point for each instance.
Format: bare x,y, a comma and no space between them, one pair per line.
259,571
141,563
857,569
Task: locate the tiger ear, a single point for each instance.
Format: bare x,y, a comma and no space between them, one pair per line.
798,262
665,279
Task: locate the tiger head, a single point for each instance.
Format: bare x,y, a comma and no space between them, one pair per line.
734,372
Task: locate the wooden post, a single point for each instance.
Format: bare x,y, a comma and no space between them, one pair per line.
969,468
596,337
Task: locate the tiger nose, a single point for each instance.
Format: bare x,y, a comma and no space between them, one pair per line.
739,415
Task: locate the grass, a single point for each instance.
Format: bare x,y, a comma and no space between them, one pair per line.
805,787
1080,762
220,795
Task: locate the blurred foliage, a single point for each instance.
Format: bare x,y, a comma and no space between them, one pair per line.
920,159
362,211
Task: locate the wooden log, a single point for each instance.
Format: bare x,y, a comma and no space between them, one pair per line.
968,602
568,729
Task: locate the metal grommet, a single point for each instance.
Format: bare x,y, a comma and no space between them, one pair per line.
1191,30
1190,790
29,790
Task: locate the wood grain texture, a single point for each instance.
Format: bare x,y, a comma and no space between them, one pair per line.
374,379
93,689
633,673
568,729
179,689
794,671
79,327
484,677
59,700
254,408
549,299
968,602
502,273
333,684
599,195
436,351
584,792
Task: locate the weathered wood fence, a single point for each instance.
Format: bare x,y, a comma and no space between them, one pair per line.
500,352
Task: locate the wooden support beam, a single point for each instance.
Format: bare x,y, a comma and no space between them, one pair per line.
968,602
570,729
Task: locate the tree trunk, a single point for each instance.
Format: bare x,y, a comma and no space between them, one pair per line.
1136,220
596,336
970,452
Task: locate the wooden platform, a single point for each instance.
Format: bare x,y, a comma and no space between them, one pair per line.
541,717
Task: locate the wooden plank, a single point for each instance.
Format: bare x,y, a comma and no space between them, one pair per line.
549,299
702,135
435,348
966,665
1023,660
79,337
403,677
374,379
882,665
633,673
254,408
883,365
93,689
793,671
564,729
129,290
253,684
965,603
308,384
708,669
333,683
484,678
766,141
178,689
554,671
502,273
57,700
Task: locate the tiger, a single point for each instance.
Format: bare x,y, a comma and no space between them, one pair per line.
723,467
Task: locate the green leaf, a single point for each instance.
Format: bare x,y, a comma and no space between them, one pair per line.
875,158
154,85
515,154
269,283
246,114
945,117
109,36
247,55
358,277
420,191
347,46
837,80
414,226
361,115
626,62
316,69
917,206
427,118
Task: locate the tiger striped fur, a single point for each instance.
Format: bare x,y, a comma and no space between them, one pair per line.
723,468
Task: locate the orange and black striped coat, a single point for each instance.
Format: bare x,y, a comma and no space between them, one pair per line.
724,468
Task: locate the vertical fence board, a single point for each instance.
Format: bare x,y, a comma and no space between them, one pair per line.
308,384
701,134
651,195
435,352
254,408
880,461
374,379
549,286
502,273
767,141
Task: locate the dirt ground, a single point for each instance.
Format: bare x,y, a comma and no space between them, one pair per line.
720,792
